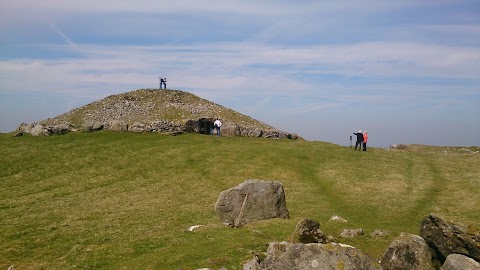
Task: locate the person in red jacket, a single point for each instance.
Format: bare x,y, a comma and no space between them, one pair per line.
365,139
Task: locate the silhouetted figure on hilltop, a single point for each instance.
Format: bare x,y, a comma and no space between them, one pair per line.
164,82
359,140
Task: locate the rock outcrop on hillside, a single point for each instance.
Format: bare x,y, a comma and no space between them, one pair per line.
153,110
457,242
445,238
283,255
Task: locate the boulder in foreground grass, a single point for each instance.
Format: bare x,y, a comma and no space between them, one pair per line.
407,251
308,231
316,256
251,201
460,262
445,238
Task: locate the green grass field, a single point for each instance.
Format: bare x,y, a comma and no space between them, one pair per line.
125,200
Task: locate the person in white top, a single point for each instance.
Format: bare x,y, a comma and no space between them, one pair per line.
217,124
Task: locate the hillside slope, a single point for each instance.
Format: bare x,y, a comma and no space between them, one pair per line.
125,200
149,106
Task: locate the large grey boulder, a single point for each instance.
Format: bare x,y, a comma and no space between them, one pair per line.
139,127
61,129
88,125
253,264
24,127
407,252
293,136
98,126
38,130
230,130
308,231
445,238
92,125
256,132
460,262
250,201
315,256
117,125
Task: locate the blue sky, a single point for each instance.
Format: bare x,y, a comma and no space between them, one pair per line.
405,71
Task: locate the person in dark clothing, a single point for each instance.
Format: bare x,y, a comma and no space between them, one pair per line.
359,140
164,82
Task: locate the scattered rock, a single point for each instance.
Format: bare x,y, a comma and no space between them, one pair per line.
283,255
195,227
338,219
460,262
18,134
330,239
398,146
379,233
61,129
407,251
308,231
253,264
139,127
250,201
351,233
445,238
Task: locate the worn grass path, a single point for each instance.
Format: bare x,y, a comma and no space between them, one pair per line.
125,200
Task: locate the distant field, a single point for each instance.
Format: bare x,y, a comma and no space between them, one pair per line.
125,200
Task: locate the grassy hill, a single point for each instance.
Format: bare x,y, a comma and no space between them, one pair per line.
111,200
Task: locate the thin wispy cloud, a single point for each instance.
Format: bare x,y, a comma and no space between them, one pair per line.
265,58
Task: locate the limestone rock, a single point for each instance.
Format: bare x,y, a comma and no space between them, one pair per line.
293,136
139,127
316,256
460,262
92,125
445,238
257,132
308,231
61,129
338,219
88,125
398,146
97,126
38,130
406,252
379,233
117,125
351,233
250,201
24,127
253,264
